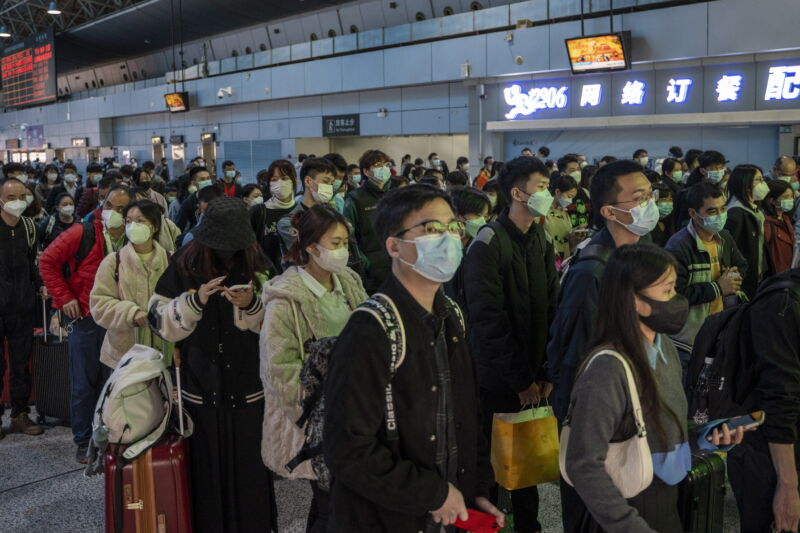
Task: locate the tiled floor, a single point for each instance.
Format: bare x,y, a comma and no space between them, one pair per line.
43,490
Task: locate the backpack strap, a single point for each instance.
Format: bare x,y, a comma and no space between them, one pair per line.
30,231
86,244
385,312
459,314
51,223
594,252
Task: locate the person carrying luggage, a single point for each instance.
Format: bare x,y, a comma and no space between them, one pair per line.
206,302
20,287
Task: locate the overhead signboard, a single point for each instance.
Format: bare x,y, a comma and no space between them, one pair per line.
29,71
156,140
208,137
341,125
80,142
176,139
35,136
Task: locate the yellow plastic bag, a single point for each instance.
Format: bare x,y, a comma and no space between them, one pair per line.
525,448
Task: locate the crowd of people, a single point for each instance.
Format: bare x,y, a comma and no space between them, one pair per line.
483,294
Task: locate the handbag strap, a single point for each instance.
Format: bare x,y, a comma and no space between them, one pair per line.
632,388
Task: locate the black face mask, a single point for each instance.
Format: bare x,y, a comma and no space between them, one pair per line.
223,256
666,317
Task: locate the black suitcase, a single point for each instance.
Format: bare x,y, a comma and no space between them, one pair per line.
50,367
701,496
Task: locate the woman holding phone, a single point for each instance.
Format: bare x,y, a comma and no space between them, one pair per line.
207,303
639,285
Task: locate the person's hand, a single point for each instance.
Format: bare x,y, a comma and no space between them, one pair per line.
531,395
786,507
43,293
241,298
729,284
482,504
140,319
545,388
72,309
453,508
727,437
212,287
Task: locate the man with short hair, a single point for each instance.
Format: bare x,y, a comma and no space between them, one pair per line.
625,210
228,184
317,175
786,169
527,152
641,156
68,268
187,215
204,197
70,186
569,165
710,167
20,287
606,159
420,467
511,289
89,196
354,177
710,266
543,152
162,170
455,181
486,172
339,181
360,209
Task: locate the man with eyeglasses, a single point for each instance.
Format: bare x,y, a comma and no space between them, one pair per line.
511,288
360,209
625,209
417,460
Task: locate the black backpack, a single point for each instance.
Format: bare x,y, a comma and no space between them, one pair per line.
722,371
87,243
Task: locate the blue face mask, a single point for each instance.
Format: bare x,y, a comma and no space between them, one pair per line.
715,223
664,209
715,176
438,256
787,205
381,174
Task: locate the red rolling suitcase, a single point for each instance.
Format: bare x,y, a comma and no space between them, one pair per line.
154,488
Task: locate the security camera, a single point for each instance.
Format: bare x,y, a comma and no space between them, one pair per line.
224,91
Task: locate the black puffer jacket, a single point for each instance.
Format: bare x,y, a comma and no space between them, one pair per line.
19,275
391,486
511,288
360,209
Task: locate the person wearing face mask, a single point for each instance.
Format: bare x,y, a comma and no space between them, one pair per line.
785,169
252,195
360,210
472,207
496,198
745,222
672,174
208,303
124,282
486,173
20,287
339,182
709,264
509,326
435,163
54,225
456,181
91,192
710,167
624,210
354,178
642,157
280,186
632,343
569,165
317,175
309,301
143,180
48,181
34,210
69,266
228,183
462,164
187,214
778,230
666,215
557,223
70,184
204,198
437,465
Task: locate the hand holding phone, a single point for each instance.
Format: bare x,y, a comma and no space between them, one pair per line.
746,422
478,522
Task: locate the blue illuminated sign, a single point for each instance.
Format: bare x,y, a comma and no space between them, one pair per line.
783,83
633,93
728,88
591,95
678,90
527,104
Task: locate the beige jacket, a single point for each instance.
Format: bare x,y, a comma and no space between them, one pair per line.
168,235
114,305
292,317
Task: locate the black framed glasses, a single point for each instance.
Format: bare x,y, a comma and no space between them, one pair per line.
435,227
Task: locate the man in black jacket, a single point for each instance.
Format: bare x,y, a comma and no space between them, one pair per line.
416,460
763,470
360,208
187,215
19,285
622,199
511,288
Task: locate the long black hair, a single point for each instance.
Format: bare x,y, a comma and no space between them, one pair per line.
632,269
741,183
199,262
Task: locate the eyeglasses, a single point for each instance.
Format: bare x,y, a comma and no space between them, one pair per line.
643,201
434,227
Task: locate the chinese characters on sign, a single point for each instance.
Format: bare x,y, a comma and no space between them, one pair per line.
728,88
537,98
633,93
783,83
678,90
341,125
28,71
591,95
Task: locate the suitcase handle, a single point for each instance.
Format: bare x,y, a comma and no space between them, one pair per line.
176,360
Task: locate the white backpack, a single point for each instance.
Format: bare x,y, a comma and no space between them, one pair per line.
134,407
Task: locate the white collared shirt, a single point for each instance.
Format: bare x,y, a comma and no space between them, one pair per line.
333,304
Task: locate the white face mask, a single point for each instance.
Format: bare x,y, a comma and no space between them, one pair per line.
281,189
576,175
258,200
192,189
15,208
584,164
564,202
137,232
539,203
760,191
323,194
333,261
67,211
437,163
112,219
465,167
438,256
203,184
70,178
28,199
645,219
51,177
644,160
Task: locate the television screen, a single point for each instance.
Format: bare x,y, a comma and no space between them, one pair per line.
177,102
29,71
599,53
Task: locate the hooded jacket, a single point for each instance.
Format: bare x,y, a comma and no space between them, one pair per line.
747,229
114,304
292,318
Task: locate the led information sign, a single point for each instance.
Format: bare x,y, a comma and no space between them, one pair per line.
29,71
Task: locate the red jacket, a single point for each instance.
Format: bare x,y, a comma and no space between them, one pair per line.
62,253
779,236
